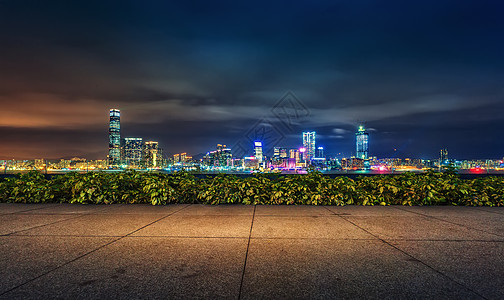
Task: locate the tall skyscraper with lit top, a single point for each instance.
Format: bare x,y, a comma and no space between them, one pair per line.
258,153
362,143
114,156
309,145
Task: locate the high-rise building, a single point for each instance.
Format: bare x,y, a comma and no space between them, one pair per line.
309,145
133,151
114,156
320,152
294,154
258,153
221,157
280,152
151,154
443,155
361,143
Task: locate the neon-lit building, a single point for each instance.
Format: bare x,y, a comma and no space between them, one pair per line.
222,157
152,154
133,151
258,153
114,156
294,154
320,152
309,145
361,143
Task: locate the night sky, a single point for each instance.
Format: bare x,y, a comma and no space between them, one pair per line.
421,75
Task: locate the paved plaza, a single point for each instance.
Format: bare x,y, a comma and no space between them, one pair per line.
180,251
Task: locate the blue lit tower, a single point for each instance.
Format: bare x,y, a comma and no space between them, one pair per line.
115,137
320,152
361,143
258,153
309,145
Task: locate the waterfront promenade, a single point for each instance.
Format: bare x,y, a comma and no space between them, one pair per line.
247,252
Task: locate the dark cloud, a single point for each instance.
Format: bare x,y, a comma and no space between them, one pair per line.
193,74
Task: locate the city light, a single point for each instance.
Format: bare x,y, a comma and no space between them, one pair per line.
133,153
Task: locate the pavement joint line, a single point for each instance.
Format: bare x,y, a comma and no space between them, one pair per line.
65,235
482,208
462,241
461,225
23,211
420,261
305,216
252,238
86,254
246,254
43,225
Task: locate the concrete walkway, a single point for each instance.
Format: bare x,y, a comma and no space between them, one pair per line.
248,252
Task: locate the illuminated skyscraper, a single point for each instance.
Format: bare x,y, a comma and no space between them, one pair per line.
309,145
361,143
114,156
151,154
443,156
133,151
280,152
320,152
221,157
258,153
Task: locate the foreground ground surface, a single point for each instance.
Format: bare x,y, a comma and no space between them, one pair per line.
243,252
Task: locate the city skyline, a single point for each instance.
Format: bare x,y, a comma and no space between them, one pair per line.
420,75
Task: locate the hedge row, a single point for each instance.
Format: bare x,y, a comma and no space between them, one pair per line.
311,189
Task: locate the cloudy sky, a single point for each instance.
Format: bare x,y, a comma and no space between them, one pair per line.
421,75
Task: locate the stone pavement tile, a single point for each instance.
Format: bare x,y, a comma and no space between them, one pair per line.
291,210
358,210
199,226
95,225
330,227
67,208
340,269
127,209
446,211
477,265
218,210
417,228
9,208
17,222
24,258
147,268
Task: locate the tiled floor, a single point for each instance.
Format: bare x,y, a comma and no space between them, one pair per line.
273,252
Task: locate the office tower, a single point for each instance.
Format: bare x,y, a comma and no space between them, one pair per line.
361,143
309,145
176,158
114,156
258,153
443,155
294,154
133,151
151,154
320,152
276,152
283,153
221,157
280,152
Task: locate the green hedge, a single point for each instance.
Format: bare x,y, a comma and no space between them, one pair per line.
312,189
